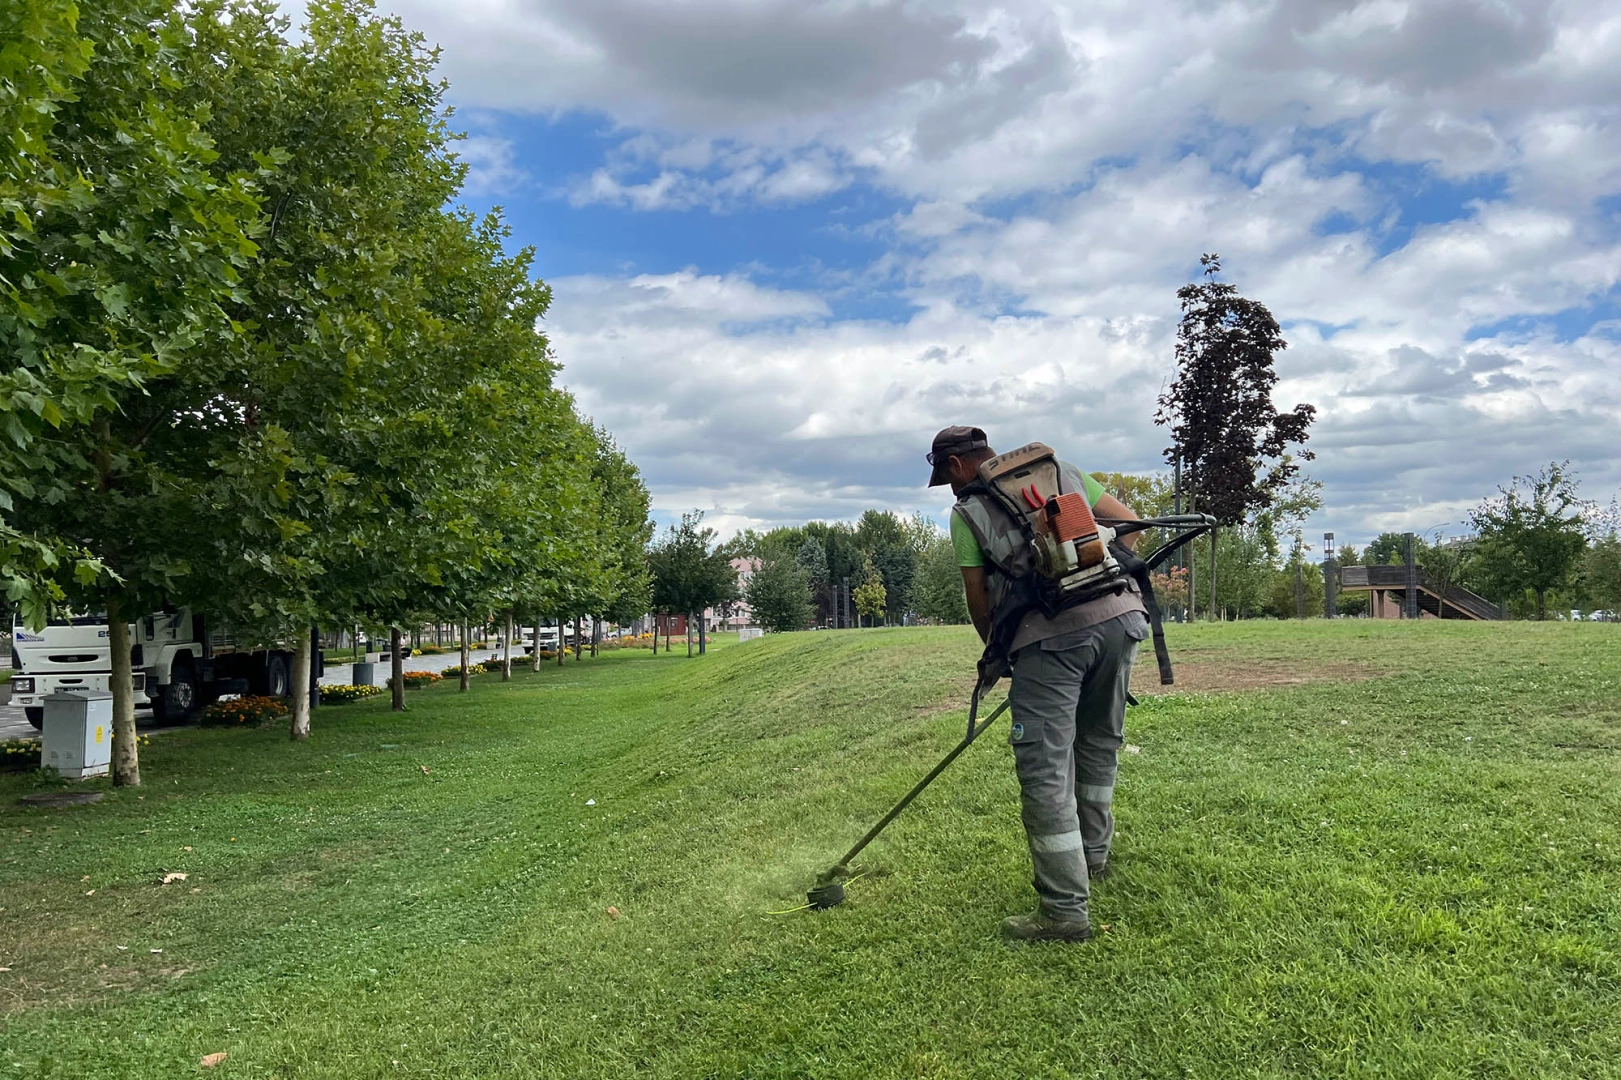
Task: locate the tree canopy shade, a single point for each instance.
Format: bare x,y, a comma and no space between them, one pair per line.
1224,426
1532,535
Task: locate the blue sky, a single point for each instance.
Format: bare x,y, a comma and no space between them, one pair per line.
789,240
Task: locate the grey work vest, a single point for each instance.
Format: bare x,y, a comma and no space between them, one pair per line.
1007,558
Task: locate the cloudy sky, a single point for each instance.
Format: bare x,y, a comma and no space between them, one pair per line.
789,240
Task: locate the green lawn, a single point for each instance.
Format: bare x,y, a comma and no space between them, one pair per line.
1414,872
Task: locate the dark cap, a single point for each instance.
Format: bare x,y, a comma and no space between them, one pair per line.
950,442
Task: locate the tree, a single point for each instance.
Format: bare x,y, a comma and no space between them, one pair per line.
871,598
779,594
122,237
1531,535
1444,565
937,591
812,558
1224,427
1389,549
689,574
1600,575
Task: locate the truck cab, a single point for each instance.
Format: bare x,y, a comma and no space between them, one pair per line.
179,663
68,655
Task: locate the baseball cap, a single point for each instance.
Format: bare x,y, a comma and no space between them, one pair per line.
952,441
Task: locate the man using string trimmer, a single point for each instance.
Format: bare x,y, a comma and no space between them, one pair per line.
1068,643
1061,600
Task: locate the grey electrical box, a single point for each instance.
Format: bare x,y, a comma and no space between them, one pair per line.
78,734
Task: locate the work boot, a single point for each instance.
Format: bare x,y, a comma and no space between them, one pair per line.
1039,926
1097,871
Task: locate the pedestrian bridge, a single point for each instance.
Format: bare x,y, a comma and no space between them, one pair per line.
1387,589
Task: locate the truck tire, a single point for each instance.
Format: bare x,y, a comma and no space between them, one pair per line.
277,679
36,716
178,699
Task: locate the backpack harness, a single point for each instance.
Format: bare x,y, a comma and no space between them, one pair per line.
1060,556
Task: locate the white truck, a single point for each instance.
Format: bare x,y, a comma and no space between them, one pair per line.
179,664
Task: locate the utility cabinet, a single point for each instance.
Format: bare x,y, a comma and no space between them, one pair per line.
78,734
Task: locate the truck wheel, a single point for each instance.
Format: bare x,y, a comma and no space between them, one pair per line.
277,679
36,716
176,702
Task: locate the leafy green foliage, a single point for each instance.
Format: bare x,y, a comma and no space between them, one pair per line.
937,589
690,572
1531,536
871,597
779,595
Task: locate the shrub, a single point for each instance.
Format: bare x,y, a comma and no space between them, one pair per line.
416,680
455,670
342,695
243,711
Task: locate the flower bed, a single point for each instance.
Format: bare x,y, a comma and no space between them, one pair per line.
21,755
416,680
243,711
342,695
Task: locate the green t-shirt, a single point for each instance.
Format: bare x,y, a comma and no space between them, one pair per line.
967,548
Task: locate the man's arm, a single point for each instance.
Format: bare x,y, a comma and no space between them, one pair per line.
979,603
1108,506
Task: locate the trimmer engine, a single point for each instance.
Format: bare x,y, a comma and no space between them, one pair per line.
1070,547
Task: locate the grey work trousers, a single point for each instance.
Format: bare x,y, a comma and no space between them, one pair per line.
1069,712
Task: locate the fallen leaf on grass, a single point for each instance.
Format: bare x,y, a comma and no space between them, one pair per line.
172,875
4,969
613,912
1130,749
186,848
425,769
90,892
210,1060
154,950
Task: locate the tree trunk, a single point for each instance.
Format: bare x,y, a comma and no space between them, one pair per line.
467,655
396,669
596,635
1542,605
1213,608
561,651
579,645
300,729
126,752
535,656
506,649
703,631
655,635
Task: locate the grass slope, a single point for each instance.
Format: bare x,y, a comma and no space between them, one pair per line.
1415,874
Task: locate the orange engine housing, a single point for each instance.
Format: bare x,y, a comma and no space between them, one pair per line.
1074,519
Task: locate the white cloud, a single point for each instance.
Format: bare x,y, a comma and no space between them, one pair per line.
1062,165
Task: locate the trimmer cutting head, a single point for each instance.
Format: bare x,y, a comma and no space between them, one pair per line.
828,890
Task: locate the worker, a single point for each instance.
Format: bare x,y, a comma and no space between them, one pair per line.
1070,674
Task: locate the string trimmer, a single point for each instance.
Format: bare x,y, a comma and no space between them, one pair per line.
829,888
